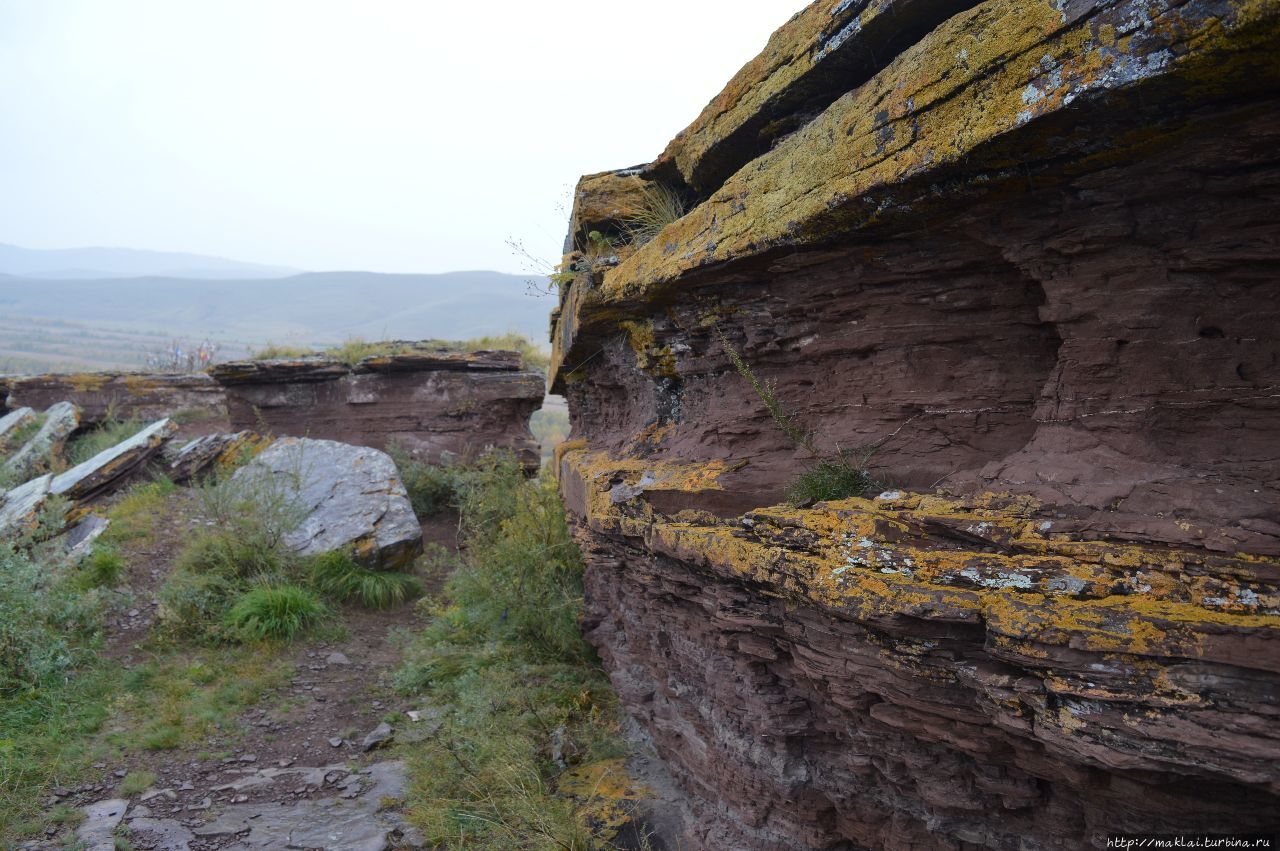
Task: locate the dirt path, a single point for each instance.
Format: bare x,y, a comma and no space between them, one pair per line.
302,762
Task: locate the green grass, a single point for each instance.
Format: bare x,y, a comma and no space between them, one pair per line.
503,656
661,206
830,478
104,567
134,516
278,612
335,575
135,782
110,433
431,487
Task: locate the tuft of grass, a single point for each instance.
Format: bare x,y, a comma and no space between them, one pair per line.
660,207
431,487
272,351
274,612
507,665
135,782
104,567
832,478
105,436
336,575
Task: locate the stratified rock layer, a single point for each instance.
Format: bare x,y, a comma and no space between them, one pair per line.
1028,251
436,404
122,395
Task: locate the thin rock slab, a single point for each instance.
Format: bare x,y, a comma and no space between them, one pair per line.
61,420
198,455
97,831
352,498
20,510
80,537
113,465
13,421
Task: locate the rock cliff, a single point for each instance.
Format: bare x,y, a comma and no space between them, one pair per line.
1026,251
102,395
436,404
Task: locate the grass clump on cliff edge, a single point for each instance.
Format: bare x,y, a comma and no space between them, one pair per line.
660,207
839,475
521,699
356,349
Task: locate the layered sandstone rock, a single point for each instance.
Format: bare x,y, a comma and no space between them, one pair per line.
1028,250
436,404
122,395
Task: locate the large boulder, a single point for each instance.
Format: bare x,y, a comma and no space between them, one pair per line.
352,497
110,466
60,421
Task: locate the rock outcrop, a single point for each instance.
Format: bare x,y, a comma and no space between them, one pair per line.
123,395
209,451
110,466
1026,252
348,498
436,404
60,422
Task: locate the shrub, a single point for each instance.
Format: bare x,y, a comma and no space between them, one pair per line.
274,612
431,487
44,625
104,567
505,657
194,603
336,575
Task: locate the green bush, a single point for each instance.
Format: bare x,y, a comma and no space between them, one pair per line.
336,575
193,604
45,626
274,612
431,487
507,665
104,567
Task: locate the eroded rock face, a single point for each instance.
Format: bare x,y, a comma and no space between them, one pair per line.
350,497
1029,250
436,404
123,395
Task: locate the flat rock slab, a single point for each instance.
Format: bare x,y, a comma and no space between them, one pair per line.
113,465
59,422
195,457
13,421
352,496
80,537
354,822
21,506
168,834
97,831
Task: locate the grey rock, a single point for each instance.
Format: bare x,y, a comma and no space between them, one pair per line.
161,833
79,538
97,831
352,497
377,737
337,658
22,506
194,457
113,465
139,811
13,421
59,422
335,742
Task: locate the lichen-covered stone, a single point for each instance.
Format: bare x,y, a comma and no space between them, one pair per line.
208,451
438,405
114,464
11,422
1023,253
20,507
122,395
349,498
60,421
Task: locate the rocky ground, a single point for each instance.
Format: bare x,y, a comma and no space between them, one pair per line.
309,763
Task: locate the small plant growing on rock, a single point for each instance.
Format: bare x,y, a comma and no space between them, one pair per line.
661,206
836,476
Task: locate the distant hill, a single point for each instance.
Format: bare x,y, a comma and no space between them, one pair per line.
102,323
82,263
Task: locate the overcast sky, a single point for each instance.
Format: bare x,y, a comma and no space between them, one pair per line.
391,135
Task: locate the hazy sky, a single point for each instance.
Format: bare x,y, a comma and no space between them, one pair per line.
392,135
